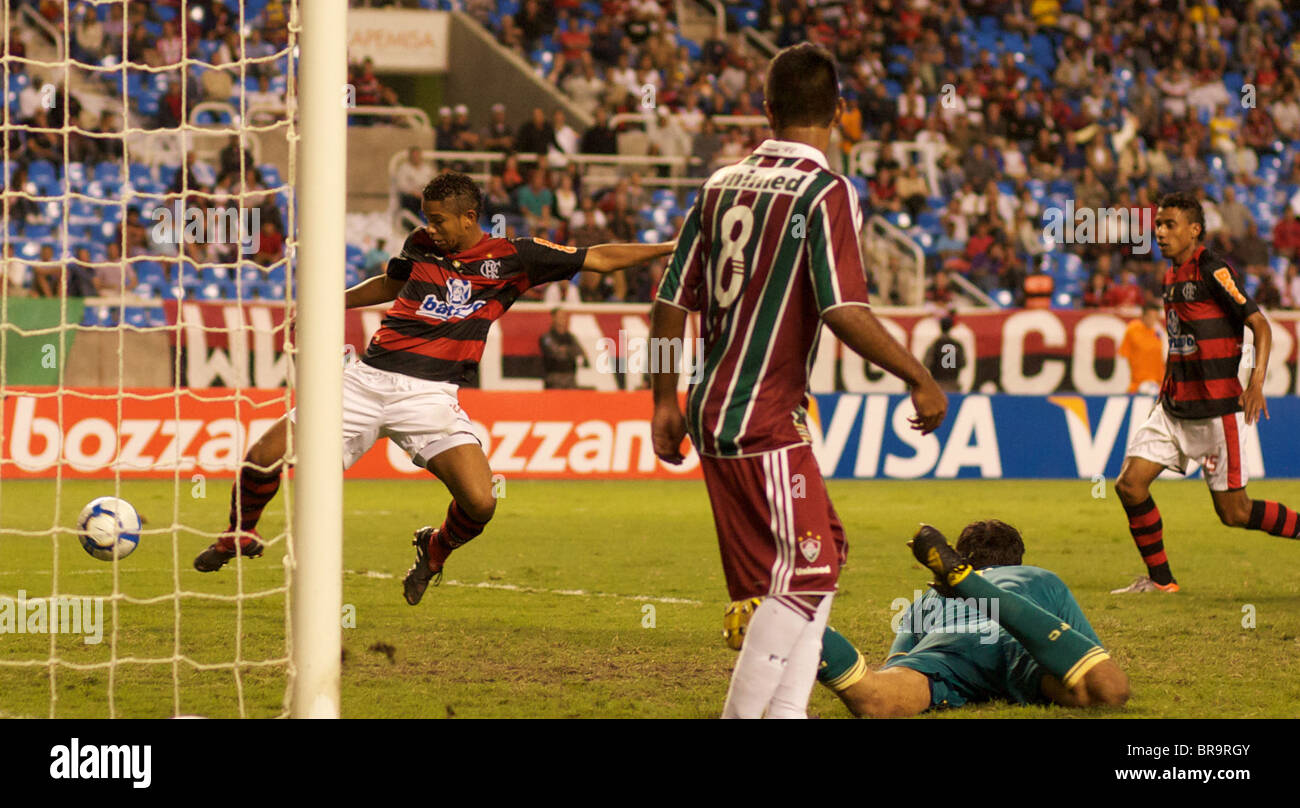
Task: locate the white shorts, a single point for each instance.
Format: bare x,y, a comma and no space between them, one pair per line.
421,416
1218,444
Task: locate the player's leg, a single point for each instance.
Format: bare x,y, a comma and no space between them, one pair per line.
258,478
793,691
1106,685
814,517
256,483
889,693
1226,475
1158,444
788,545
464,469
771,650
1144,522
1063,651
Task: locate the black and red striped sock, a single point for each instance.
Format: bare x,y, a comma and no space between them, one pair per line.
456,529
1148,533
249,495
1274,517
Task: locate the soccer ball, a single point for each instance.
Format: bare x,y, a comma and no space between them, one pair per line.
109,528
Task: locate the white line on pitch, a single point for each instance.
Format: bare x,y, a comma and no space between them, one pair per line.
533,590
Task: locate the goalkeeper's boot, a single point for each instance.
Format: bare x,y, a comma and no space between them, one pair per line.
933,551
223,549
420,575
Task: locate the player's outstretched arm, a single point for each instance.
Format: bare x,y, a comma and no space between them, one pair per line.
667,426
613,257
372,291
1252,399
859,329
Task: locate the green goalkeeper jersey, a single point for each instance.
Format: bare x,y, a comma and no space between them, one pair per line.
968,657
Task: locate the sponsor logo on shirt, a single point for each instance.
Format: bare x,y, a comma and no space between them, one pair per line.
457,306
1181,344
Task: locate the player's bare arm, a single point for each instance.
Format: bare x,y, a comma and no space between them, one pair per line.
667,426
613,257
372,291
859,329
1252,398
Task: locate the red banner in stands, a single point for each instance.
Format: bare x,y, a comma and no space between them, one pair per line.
165,433
1023,352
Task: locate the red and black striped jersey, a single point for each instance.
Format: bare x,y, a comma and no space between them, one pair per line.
437,326
1205,313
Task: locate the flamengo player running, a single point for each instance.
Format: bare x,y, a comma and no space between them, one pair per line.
448,285
1199,415
768,252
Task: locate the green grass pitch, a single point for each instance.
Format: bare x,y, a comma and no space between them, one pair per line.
604,599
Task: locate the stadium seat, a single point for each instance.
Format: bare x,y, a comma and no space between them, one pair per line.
859,183
137,316
42,173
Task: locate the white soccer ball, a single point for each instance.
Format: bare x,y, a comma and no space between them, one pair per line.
109,528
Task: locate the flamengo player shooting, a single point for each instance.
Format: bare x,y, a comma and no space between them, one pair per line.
769,252
448,285
1202,412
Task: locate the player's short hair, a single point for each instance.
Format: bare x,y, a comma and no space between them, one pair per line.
1152,305
455,185
802,87
1188,204
991,543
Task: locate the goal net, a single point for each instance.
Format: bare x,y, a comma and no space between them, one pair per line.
147,210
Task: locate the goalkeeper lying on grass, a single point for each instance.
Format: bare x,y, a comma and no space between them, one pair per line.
1006,632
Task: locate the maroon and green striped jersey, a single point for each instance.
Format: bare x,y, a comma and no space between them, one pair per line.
770,245
1205,311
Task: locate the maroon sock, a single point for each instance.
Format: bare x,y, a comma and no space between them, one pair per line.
249,495
456,529
1273,517
1145,525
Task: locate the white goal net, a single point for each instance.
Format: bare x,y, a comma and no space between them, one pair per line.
150,174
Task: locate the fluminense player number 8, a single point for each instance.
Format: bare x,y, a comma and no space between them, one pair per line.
730,276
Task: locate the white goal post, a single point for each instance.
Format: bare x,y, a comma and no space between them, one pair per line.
316,561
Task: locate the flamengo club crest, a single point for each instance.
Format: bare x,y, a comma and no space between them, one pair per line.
810,546
490,268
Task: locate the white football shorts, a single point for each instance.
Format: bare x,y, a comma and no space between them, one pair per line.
421,416
1218,444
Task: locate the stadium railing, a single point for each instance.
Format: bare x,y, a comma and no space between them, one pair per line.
417,118
899,257
864,153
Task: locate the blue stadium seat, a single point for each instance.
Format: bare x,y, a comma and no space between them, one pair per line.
137,316
42,173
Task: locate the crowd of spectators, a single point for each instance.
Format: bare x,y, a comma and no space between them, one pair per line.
1029,103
